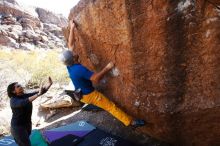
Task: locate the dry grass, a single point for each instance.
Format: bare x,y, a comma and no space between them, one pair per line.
34,66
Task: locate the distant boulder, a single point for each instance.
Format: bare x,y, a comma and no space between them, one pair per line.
48,17
11,1
30,28
8,41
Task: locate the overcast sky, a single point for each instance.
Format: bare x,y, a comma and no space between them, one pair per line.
57,6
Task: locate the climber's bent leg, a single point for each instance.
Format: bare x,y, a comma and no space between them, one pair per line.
98,99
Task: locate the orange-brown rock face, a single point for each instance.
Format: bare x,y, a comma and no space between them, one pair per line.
167,55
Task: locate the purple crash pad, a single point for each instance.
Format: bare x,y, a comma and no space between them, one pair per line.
80,129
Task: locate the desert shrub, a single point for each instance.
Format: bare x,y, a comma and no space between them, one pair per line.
35,66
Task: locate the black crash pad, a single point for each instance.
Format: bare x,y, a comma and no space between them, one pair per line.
100,138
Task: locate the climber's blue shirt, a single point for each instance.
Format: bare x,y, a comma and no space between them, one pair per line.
80,77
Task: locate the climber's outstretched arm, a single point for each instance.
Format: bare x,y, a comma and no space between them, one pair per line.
71,39
96,77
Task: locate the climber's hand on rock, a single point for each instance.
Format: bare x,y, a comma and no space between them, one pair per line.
72,24
110,65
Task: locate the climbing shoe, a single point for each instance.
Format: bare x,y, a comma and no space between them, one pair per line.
138,123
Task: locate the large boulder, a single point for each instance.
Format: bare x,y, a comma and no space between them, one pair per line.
60,101
167,58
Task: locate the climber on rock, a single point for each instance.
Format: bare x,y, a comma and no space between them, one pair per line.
83,79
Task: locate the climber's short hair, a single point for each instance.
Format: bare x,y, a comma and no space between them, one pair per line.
67,57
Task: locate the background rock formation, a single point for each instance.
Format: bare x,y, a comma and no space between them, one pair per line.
30,28
167,58
49,17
